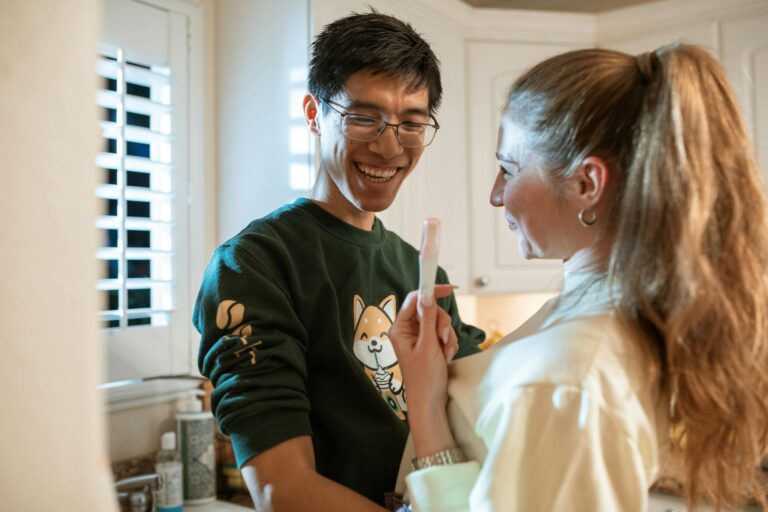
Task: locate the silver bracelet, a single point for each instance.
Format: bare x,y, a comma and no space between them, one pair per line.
450,456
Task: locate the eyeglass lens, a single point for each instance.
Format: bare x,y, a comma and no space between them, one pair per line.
364,128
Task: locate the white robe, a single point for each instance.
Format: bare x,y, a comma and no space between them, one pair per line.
561,414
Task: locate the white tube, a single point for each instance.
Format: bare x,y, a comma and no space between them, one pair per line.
430,249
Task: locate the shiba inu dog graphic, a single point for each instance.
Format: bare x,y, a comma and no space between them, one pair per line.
373,348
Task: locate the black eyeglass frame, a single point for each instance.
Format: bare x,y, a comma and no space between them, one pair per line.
383,124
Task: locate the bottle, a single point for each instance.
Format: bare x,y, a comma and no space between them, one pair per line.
168,467
198,454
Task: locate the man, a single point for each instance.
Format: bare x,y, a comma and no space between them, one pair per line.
295,310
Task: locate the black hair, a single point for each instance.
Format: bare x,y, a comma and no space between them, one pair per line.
379,43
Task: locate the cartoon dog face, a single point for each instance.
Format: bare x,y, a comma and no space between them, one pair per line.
371,343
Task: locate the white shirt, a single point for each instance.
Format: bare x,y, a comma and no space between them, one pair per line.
559,415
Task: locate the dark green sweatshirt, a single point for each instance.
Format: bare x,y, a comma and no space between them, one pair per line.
294,314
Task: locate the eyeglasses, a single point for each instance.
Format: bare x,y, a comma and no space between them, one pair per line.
366,128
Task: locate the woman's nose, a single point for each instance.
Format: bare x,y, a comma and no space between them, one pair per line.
497,192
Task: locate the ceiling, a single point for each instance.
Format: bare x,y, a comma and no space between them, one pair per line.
583,6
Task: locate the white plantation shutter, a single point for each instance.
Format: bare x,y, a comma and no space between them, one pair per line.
142,187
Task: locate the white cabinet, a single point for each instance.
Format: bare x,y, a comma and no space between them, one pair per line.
497,266
744,50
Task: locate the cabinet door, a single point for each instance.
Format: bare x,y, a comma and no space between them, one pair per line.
744,54
497,266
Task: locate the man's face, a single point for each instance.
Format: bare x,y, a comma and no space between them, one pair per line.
366,176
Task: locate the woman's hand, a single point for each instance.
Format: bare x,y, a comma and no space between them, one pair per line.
424,345
407,325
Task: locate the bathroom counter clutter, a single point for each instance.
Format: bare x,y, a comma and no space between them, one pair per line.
216,506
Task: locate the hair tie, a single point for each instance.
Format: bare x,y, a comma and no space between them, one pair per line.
647,64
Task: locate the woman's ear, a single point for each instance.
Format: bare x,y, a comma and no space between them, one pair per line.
592,179
311,113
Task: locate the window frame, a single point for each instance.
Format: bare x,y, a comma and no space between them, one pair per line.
127,361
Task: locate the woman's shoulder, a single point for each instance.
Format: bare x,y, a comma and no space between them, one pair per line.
592,353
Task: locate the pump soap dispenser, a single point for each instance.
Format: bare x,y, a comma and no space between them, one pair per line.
198,457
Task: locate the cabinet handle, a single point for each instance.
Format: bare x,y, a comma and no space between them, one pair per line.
483,281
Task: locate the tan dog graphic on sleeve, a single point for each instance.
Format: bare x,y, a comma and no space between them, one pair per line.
230,315
372,348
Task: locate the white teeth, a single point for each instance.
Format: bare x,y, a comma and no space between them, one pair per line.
383,173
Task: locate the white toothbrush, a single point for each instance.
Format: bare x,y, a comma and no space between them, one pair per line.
430,248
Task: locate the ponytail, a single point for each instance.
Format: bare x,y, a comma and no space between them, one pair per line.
690,254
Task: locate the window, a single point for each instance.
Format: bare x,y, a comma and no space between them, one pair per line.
142,188
136,190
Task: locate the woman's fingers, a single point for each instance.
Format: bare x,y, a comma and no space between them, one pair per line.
408,309
405,331
409,326
452,347
447,335
441,291
444,290
443,326
428,321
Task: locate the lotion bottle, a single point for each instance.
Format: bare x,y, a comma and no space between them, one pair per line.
168,467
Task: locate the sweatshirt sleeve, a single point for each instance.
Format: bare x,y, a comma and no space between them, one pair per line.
470,337
549,448
253,349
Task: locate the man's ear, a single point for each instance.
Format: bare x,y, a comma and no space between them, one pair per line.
592,179
311,113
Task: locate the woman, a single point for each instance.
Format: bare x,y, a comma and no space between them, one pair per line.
637,173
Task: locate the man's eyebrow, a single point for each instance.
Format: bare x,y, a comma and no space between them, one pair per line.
374,106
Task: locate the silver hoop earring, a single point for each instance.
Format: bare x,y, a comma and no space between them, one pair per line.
587,223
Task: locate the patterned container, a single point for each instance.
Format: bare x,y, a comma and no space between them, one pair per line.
198,455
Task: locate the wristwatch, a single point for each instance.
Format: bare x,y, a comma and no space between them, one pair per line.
450,456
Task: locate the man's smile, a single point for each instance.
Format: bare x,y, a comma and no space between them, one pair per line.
375,173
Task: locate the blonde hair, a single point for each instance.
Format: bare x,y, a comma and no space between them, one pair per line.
689,231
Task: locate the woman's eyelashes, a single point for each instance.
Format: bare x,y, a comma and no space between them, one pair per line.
509,169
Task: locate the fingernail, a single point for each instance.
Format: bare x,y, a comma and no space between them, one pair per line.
426,300
446,335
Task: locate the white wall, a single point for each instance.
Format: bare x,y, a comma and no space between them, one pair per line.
51,433
261,61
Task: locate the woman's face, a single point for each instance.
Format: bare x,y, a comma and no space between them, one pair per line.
540,219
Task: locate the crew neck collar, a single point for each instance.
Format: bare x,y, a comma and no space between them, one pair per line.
341,229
